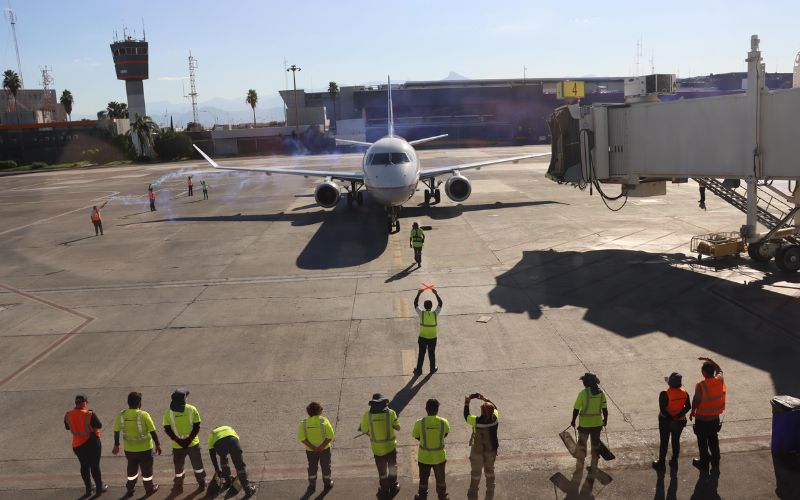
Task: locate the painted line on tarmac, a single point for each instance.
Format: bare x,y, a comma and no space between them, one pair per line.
58,342
54,216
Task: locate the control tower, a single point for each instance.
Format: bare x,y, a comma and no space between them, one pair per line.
131,64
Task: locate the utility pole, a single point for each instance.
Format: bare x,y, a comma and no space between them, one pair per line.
48,106
524,74
12,18
294,69
286,89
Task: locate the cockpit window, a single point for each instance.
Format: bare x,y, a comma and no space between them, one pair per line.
387,158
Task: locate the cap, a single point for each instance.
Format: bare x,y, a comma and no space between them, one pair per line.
589,377
81,398
180,391
378,398
675,379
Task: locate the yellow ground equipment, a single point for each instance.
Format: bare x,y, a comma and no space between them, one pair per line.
718,245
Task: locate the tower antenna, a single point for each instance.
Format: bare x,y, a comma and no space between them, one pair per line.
193,86
48,106
12,18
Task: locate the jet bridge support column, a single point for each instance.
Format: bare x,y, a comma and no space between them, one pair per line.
755,83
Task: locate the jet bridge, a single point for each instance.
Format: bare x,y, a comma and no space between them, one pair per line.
646,142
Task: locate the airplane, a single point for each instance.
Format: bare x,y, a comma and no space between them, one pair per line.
390,172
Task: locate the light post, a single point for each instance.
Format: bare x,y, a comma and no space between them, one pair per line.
293,68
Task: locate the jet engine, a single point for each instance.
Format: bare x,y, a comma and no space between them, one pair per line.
458,188
327,194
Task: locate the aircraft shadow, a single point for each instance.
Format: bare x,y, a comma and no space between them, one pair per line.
633,293
437,212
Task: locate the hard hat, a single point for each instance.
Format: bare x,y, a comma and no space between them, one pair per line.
378,398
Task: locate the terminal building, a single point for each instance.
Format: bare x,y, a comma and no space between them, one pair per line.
478,112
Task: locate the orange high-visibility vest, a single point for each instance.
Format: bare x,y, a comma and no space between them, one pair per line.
189,181
677,401
152,195
96,215
80,425
712,401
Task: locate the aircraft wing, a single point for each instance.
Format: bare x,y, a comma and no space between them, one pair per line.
345,176
436,171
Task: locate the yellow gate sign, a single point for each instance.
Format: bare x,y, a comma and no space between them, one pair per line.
570,90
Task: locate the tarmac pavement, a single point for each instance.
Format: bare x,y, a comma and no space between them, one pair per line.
259,301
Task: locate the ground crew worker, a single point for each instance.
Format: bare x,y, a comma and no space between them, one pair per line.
151,195
702,186
224,441
139,437
85,428
708,404
673,406
430,432
205,189
190,184
182,424
592,408
428,330
416,241
96,219
379,423
316,433
483,444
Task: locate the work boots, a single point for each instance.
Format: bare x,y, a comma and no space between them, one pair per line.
149,488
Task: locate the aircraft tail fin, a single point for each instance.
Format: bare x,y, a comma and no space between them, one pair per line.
391,111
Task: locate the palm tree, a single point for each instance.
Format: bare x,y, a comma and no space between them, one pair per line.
333,91
117,110
252,100
12,84
142,129
66,101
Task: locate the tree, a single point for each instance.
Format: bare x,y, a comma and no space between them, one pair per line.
66,101
12,84
143,128
333,91
252,100
117,110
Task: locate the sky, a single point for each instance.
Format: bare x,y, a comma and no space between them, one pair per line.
243,44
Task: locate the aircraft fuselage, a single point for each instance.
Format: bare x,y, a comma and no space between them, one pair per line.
391,171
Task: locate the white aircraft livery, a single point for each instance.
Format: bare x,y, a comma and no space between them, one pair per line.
390,171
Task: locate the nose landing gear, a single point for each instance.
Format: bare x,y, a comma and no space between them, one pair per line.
393,223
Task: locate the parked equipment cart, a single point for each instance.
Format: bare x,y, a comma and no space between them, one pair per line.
718,245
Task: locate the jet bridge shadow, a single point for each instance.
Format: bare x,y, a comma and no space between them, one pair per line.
633,293
438,212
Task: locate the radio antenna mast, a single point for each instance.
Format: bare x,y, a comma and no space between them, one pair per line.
12,18
193,86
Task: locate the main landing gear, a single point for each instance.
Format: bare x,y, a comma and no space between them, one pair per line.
432,193
354,194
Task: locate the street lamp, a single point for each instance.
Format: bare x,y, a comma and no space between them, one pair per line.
293,68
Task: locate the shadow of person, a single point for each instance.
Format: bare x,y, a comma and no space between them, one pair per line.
672,490
706,486
407,393
402,274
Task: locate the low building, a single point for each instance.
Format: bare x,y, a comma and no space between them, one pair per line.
30,106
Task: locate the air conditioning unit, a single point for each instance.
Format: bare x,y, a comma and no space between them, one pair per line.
657,84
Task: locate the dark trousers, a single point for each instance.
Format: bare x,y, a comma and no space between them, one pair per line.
98,227
140,460
426,345
707,432
438,472
205,194
321,460
152,205
230,446
191,191
418,255
702,194
89,457
179,459
670,429
387,470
